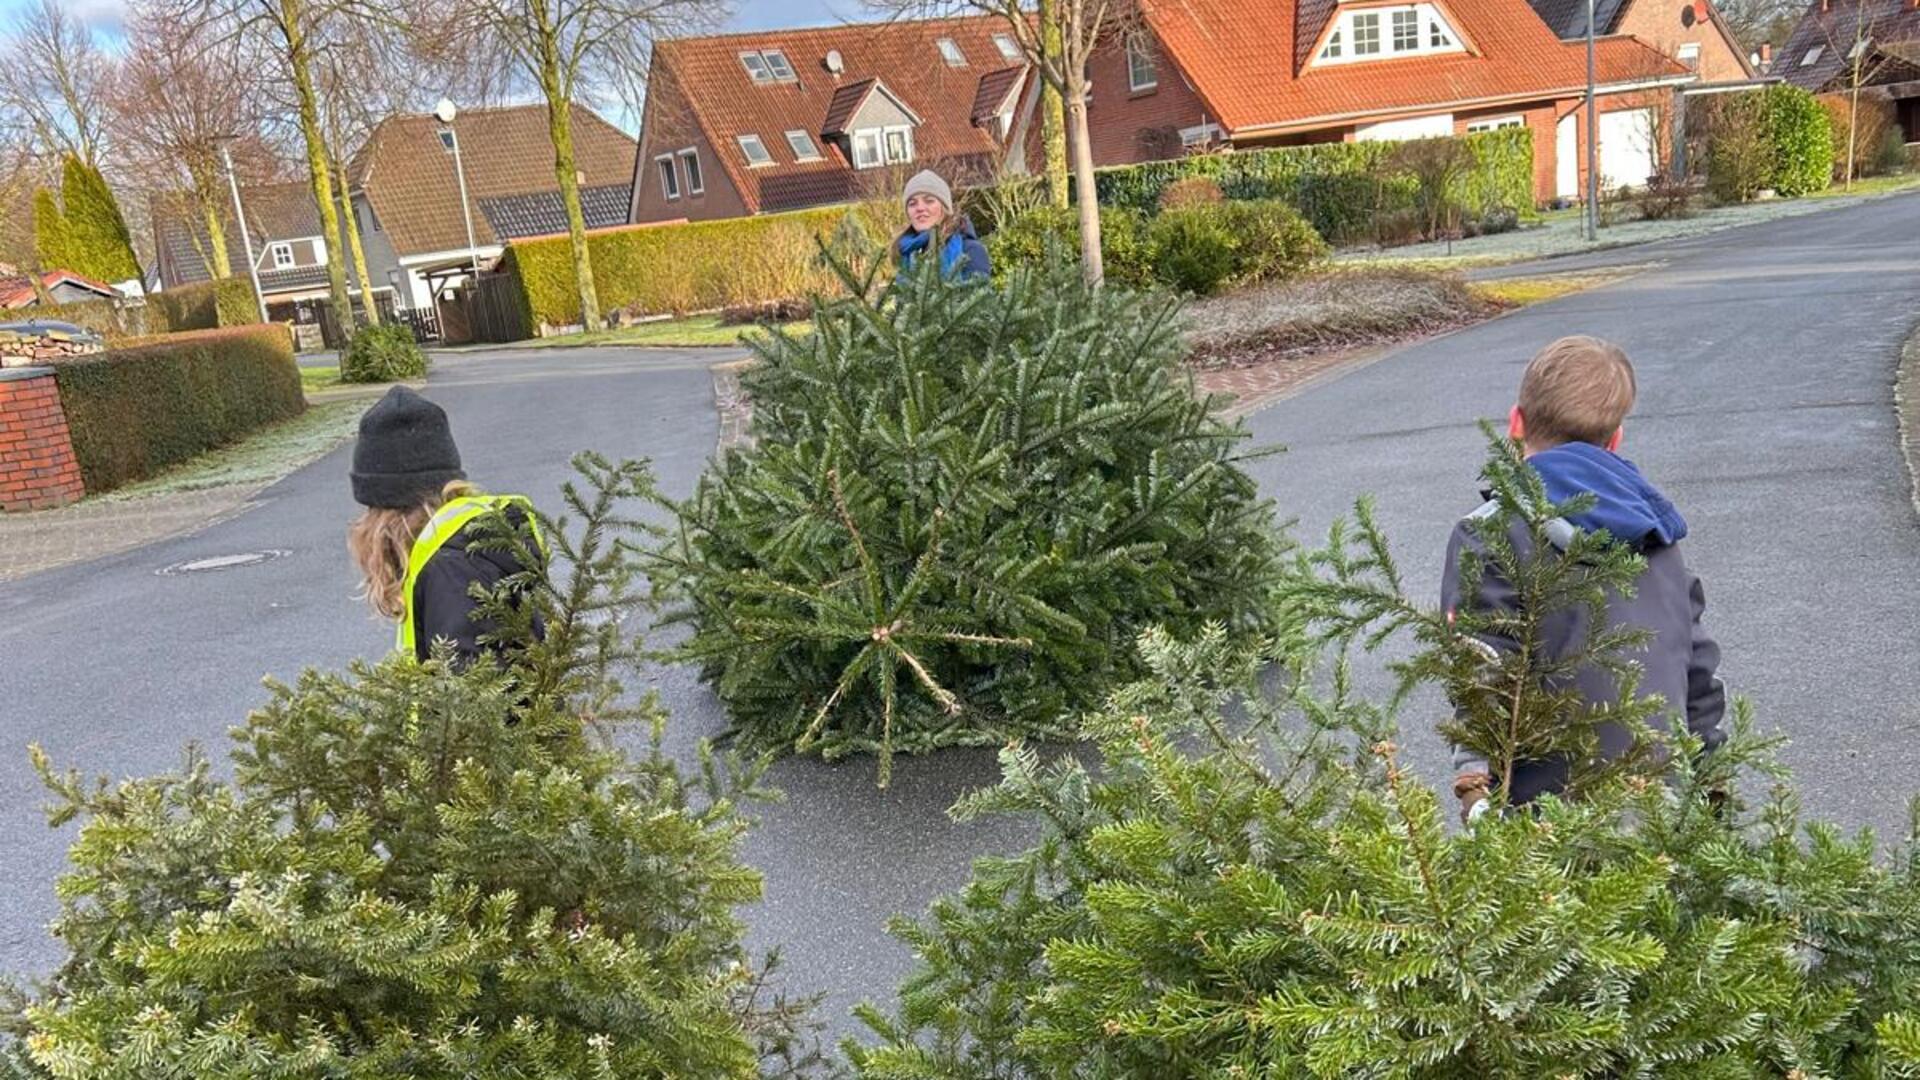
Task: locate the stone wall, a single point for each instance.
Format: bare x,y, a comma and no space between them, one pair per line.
31,350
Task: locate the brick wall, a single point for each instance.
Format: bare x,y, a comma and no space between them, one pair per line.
1128,126
1667,25
37,466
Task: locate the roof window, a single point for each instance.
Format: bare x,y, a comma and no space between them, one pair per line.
802,146
950,52
1009,48
1813,56
767,65
755,150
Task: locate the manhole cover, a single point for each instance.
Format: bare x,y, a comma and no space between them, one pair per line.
223,562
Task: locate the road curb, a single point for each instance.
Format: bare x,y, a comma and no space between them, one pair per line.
1906,407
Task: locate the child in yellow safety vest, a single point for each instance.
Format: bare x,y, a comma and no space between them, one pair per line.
413,542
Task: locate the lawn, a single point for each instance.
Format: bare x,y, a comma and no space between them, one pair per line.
690,332
319,378
1521,291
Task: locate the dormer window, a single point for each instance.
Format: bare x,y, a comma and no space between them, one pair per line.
1412,30
950,52
1009,48
767,65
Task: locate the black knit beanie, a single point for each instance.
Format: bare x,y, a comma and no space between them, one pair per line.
405,453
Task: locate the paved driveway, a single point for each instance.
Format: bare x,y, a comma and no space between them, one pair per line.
1765,357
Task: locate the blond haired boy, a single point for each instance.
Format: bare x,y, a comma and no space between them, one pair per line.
1570,417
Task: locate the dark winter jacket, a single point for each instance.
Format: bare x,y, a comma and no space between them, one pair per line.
443,603
1680,660
962,257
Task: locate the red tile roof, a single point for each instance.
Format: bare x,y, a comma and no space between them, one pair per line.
996,88
902,56
409,176
1244,59
17,292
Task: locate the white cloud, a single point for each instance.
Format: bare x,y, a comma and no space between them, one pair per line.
108,16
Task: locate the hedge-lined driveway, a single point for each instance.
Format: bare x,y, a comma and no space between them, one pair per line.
1765,357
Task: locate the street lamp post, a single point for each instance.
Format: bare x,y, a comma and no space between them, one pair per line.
1593,141
445,112
240,216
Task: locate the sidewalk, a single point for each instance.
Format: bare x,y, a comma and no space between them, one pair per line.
94,528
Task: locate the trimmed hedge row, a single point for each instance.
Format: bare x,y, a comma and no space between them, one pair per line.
138,408
698,266
207,305
1341,188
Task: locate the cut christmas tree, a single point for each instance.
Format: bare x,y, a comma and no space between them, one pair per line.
962,504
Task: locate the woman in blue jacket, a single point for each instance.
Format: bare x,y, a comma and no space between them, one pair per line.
932,225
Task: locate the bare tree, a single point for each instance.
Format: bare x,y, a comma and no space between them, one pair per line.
562,49
53,82
178,93
1059,40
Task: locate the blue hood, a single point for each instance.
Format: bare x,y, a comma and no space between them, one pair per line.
1628,507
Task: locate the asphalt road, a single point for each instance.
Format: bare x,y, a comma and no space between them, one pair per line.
1765,357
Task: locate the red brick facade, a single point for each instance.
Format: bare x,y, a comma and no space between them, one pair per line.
1128,126
37,467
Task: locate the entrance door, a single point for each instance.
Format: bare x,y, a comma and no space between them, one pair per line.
1566,157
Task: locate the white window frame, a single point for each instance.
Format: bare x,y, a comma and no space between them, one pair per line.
949,50
1201,135
1495,123
778,65
669,176
696,173
795,140
756,66
873,142
1378,33
1403,23
1136,56
766,157
1688,52
1009,49
1366,33
281,252
906,142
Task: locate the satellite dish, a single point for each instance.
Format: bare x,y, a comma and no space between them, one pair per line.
444,112
833,62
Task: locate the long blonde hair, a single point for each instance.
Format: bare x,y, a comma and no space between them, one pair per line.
381,541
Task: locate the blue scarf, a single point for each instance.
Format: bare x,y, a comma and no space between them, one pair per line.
951,255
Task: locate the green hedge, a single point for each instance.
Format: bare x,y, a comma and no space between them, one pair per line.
1802,138
137,409
1341,188
698,266
207,305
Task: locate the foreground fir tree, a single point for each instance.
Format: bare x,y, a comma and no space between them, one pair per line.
1254,885
418,872
963,504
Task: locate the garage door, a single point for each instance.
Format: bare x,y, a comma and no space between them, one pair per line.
1626,147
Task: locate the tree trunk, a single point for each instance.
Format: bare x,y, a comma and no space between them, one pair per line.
352,227
560,127
1053,113
210,194
219,263
315,138
1090,263
1853,122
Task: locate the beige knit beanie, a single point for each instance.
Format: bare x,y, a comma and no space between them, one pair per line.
928,182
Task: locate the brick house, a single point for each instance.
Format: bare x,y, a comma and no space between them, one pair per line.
289,251
1817,57
1203,73
1690,31
739,124
406,192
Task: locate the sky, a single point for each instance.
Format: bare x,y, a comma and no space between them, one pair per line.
105,15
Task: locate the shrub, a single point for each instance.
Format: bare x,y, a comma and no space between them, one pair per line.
699,266
203,306
1876,118
1197,249
1665,198
140,407
1251,883
1126,243
1498,219
1336,309
424,873
1893,157
1206,246
961,505
769,312
1192,191
98,244
1801,139
1739,154
383,353
1437,167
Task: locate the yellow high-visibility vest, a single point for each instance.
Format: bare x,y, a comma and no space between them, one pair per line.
446,524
